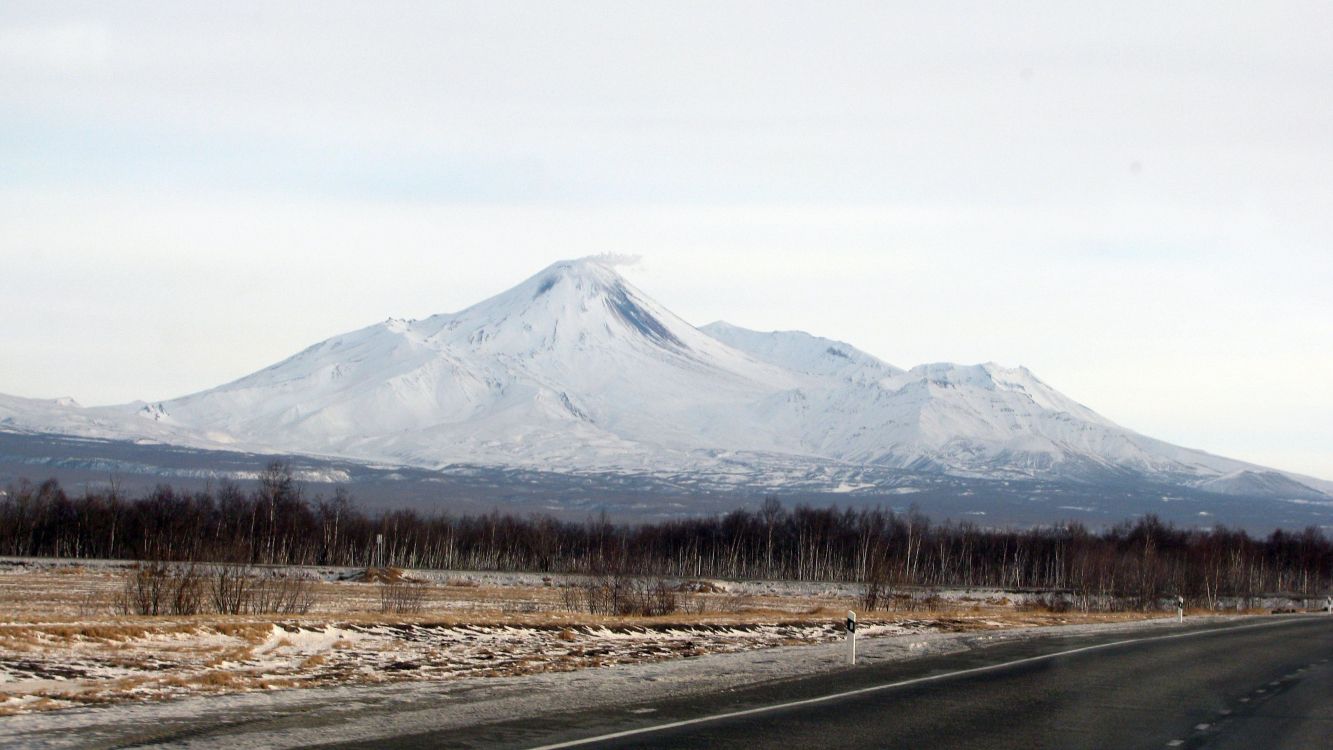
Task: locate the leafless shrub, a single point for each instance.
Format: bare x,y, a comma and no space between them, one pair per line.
873,595
402,597
606,594
187,590
691,603
877,592
656,598
161,588
571,596
734,603
240,589
912,602
230,587
621,595
1051,601
91,603
142,591
282,594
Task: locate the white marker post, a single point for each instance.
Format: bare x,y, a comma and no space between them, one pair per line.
1180,608
1328,604
851,637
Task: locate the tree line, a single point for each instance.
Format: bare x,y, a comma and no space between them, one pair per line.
1134,563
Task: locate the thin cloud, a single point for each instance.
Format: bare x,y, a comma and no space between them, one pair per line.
613,260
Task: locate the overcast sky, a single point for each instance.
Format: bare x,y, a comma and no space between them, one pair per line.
1134,202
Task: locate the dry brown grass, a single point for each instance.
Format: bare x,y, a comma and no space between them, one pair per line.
218,679
200,653
42,597
24,639
248,631
117,632
127,683
256,629
240,653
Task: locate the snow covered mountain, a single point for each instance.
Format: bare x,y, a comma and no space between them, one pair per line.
575,370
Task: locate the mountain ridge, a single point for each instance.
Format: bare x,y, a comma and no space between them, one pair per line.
575,369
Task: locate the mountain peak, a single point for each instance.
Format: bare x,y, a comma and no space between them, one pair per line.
586,277
598,270
570,302
589,265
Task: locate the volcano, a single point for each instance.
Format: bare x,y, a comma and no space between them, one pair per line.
576,370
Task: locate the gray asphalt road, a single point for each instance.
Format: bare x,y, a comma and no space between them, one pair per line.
1265,683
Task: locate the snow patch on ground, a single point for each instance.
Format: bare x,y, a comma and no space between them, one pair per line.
73,664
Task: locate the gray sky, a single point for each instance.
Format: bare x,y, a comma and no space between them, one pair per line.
1133,202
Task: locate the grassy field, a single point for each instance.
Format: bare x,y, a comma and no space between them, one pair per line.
66,641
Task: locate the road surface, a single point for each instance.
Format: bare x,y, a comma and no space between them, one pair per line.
1262,682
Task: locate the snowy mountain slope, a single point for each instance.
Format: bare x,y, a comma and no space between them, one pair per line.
64,416
1254,483
800,352
544,372
576,370
978,419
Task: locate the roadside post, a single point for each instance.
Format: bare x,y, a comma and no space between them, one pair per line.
851,637
1180,608
1328,604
